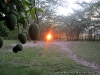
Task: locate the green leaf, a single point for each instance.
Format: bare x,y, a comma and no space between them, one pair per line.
30,1
15,13
39,10
28,11
24,3
30,4
22,21
33,13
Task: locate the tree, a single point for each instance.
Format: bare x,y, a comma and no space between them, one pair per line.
21,9
92,12
49,7
74,24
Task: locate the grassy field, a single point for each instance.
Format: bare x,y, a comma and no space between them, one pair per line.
89,51
32,61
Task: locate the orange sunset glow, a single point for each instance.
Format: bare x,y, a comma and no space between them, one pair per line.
49,37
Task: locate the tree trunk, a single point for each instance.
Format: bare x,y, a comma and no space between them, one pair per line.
94,38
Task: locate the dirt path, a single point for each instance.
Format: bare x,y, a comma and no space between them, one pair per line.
96,67
64,46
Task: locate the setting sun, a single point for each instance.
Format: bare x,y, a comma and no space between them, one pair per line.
49,37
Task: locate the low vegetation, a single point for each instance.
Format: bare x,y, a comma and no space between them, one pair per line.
89,51
35,61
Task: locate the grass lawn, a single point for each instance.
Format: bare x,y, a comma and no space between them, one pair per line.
32,61
89,51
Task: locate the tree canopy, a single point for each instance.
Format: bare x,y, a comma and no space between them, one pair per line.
72,25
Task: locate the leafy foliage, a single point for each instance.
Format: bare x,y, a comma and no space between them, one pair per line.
3,30
22,9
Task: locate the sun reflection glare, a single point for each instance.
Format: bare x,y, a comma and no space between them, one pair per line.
49,37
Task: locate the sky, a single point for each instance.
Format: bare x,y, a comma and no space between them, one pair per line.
68,8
